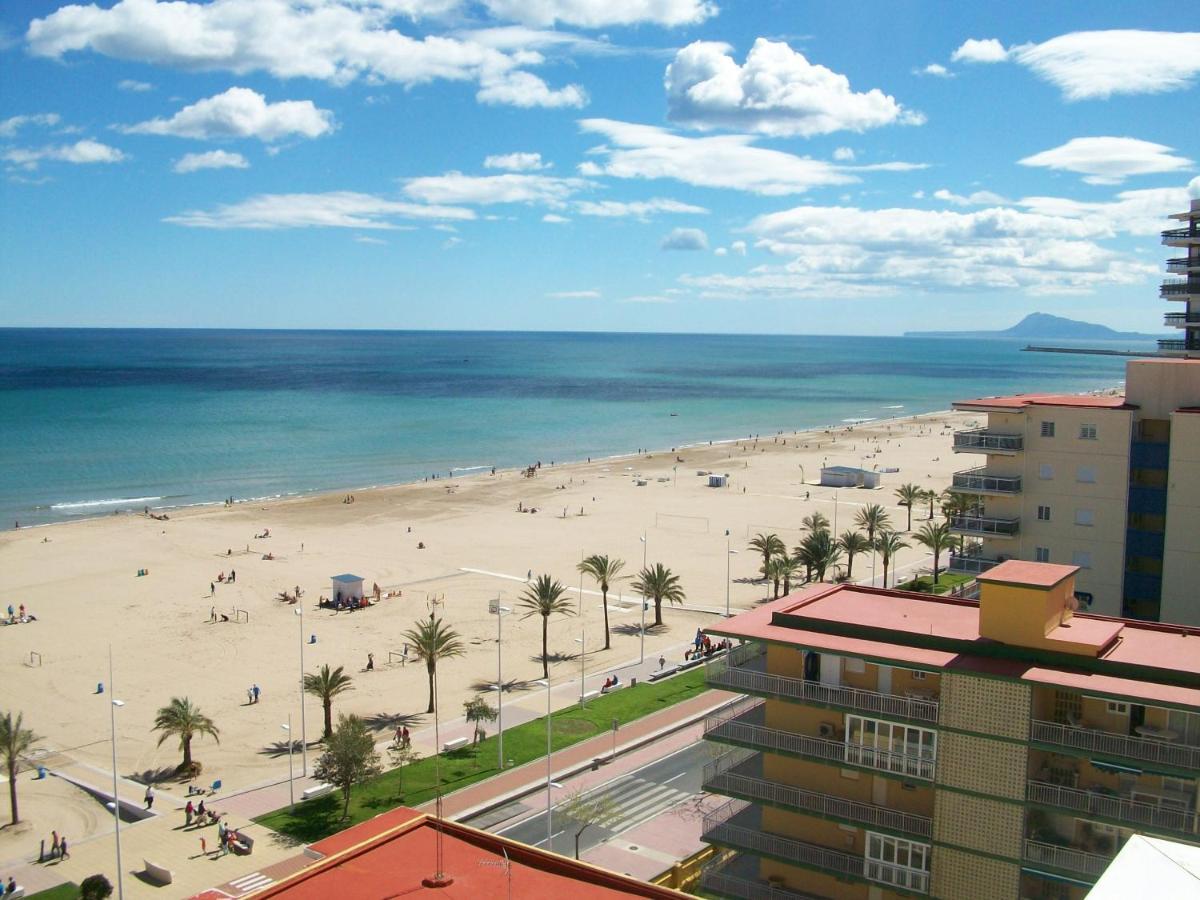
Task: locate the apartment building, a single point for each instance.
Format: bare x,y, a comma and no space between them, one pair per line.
1105,483
895,744
1184,286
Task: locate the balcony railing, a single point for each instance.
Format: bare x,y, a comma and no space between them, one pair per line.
1181,320
1000,527
738,672
1066,859
1183,263
1126,746
970,564
980,481
1179,234
738,825
1111,806
741,724
737,775
984,441
737,880
1172,345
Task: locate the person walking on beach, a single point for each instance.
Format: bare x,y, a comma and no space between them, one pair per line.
203,847
53,844
188,811
370,662
212,589
255,689
149,798
62,848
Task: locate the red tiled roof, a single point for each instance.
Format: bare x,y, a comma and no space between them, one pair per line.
1020,401
392,854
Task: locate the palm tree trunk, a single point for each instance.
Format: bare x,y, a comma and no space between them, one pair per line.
346,806
328,704
849,566
12,790
187,752
885,571
908,506
604,602
430,670
545,649
935,568
658,610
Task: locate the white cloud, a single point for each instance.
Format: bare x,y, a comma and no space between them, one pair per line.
844,154
847,252
648,298
337,209
134,87
1087,65
451,242
241,113
721,251
10,126
1141,212
738,247
937,70
338,42
600,13
726,161
1108,160
988,50
640,209
456,188
517,162
553,219
776,92
82,152
367,239
213,159
685,239
575,295
976,198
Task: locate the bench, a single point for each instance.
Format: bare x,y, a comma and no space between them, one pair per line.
612,687
244,845
17,894
456,744
589,695
158,873
316,790
663,673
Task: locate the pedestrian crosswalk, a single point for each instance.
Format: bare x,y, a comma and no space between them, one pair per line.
252,882
637,800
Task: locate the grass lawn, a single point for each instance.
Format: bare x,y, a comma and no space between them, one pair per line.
947,581
414,785
68,891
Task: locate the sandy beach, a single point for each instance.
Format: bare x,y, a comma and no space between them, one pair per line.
80,580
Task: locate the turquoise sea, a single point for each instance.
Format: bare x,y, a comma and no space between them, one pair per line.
93,420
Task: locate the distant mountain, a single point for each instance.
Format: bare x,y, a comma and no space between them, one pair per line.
1043,326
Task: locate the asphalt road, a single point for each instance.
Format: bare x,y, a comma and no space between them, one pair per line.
638,796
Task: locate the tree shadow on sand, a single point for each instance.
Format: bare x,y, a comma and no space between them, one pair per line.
391,721
555,656
155,776
280,748
510,687
633,629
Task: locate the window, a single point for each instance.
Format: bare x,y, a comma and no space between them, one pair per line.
1085,517
1047,429
1041,554
1087,432
893,860
1116,708
1045,471
890,747
919,676
1082,558
1086,474
1044,513
854,664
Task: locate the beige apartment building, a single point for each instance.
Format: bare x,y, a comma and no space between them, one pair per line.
895,744
1104,483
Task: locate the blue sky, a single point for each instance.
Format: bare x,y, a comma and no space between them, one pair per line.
625,165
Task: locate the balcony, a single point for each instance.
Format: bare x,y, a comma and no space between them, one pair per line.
1112,806
984,441
744,670
1109,745
740,774
738,825
990,526
1179,287
1180,237
970,563
742,724
737,878
1066,859
1172,345
1149,455
980,481
1183,264
1178,320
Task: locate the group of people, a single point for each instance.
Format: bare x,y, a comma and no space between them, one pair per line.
252,693
19,615
609,683
403,738
58,846
200,816
703,646
11,887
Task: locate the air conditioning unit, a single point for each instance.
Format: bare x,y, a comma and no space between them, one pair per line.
827,729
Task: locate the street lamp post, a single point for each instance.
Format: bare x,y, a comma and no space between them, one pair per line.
643,651
549,783
291,745
500,612
303,724
112,722
582,642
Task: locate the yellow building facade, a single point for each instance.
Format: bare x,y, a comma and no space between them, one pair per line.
892,744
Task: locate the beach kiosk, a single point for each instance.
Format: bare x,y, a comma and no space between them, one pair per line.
848,477
347,587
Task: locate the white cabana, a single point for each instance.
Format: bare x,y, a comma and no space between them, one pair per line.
346,587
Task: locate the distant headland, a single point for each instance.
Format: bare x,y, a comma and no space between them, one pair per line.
1043,326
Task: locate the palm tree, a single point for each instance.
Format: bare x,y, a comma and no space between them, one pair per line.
433,642
774,571
659,583
544,598
327,684
817,553
909,494
768,545
815,523
932,497
181,719
15,742
954,505
604,571
853,543
789,566
874,518
887,544
937,538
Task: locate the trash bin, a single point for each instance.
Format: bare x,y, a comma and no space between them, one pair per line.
633,681
41,772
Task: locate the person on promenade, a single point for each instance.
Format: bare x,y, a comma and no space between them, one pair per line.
53,844
203,847
662,662
149,798
62,848
187,812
